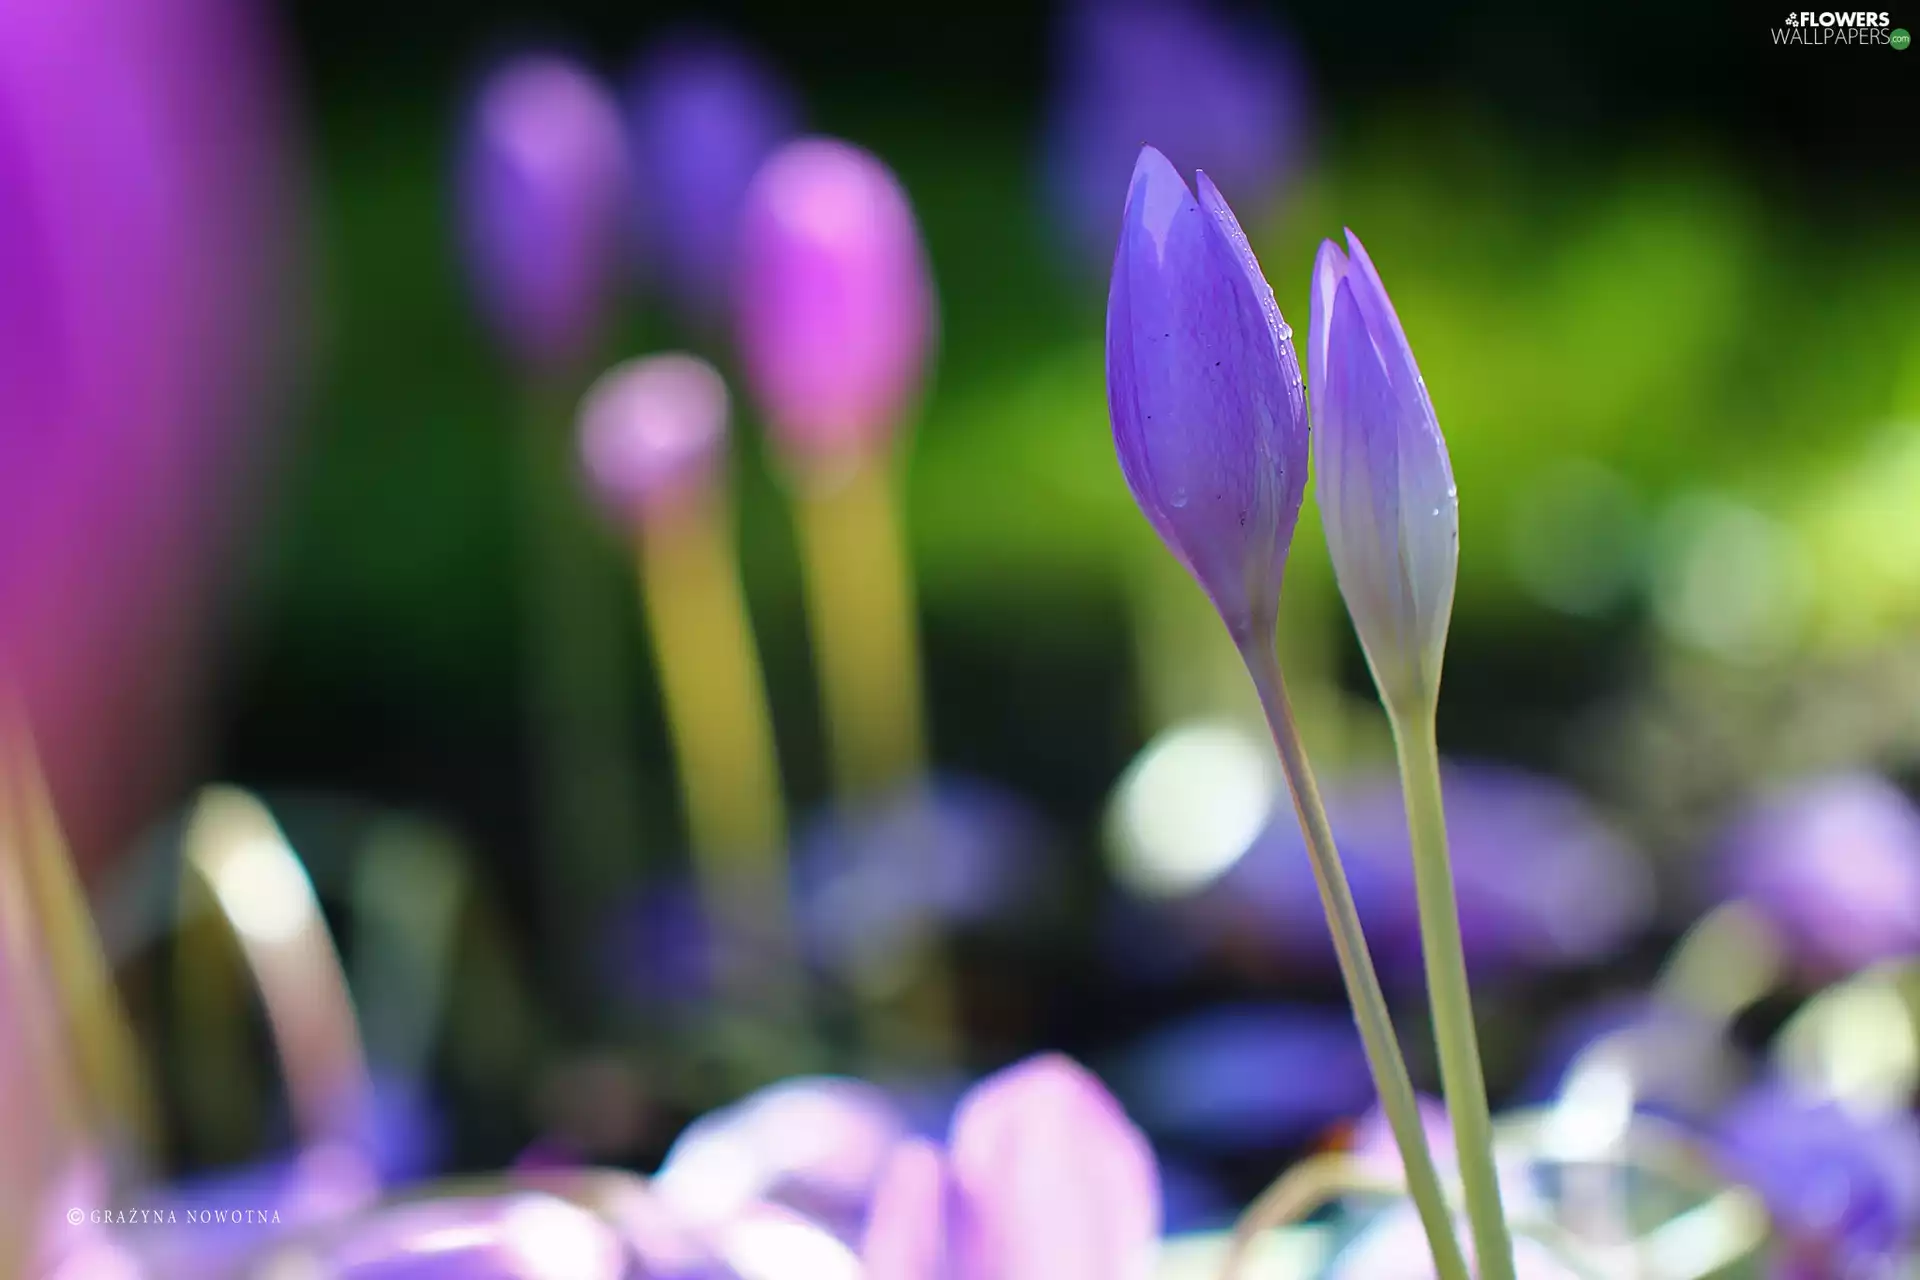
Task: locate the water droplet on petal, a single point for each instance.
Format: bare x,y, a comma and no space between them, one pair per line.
1178,497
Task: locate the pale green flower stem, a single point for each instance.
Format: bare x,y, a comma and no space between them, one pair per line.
1389,1068
1460,1073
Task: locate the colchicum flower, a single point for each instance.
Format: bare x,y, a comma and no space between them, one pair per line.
145,309
834,298
653,435
545,181
1204,390
1043,1178
704,114
1386,487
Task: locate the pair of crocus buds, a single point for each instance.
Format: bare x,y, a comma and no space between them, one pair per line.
1211,426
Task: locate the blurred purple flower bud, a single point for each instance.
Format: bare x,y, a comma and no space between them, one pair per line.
653,435
952,851
1844,1189
544,182
1834,865
835,304
814,1144
1044,1178
1247,1077
704,115
1204,392
1387,496
1213,92
144,322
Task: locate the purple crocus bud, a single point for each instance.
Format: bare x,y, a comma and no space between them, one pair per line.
834,300
1044,1178
1843,1188
1204,392
1386,487
704,115
544,180
653,435
1833,864
1215,91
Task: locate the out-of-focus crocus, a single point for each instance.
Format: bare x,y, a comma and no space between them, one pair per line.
1043,1178
143,320
1247,1077
653,436
1843,1189
1212,91
1542,881
817,1145
1387,496
1204,391
544,184
1833,864
652,442
947,851
834,300
704,114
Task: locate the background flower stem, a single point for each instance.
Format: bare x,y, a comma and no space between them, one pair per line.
1356,964
1459,1045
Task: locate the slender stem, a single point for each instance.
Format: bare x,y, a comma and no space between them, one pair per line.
578,676
1389,1069
865,637
722,731
1446,964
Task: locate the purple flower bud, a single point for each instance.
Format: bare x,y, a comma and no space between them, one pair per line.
1213,90
653,434
1834,865
1044,1179
835,303
704,115
544,183
1386,488
1204,391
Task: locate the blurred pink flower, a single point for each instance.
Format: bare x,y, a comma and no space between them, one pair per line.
1043,1178
836,306
142,203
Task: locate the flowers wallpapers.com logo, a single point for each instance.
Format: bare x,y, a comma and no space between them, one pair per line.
1840,28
